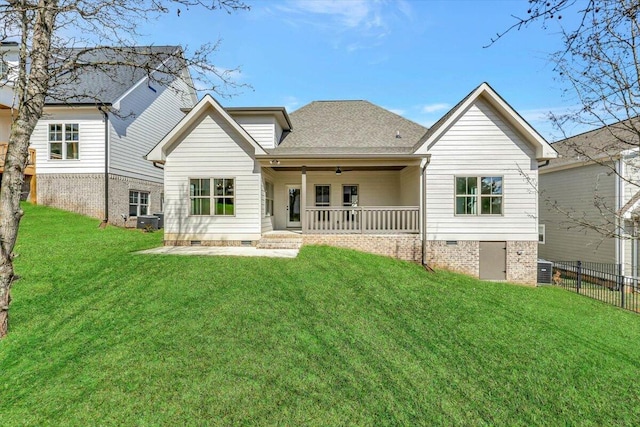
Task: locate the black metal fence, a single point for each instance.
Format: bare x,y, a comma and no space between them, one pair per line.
604,282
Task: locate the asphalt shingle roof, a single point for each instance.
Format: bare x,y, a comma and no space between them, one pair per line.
348,127
109,79
605,141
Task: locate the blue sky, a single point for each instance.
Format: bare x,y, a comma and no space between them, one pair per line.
416,58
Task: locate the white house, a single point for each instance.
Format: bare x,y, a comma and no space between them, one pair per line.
87,151
352,174
590,199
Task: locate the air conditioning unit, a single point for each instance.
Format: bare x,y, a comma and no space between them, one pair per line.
545,272
149,222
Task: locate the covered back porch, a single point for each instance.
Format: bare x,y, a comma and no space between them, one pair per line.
343,195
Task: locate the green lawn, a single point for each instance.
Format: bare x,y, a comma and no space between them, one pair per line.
103,337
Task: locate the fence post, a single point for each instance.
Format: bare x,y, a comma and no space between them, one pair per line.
621,285
579,277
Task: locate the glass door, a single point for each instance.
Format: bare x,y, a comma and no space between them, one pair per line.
294,206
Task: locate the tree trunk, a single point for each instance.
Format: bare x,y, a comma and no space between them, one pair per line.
31,93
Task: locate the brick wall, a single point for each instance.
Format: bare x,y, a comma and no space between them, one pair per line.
80,193
84,194
119,187
464,257
522,267
402,246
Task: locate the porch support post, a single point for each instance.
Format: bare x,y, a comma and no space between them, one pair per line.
303,199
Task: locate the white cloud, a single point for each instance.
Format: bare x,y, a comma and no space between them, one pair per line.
352,14
290,103
353,25
432,108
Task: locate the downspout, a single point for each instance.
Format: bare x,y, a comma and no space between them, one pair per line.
619,190
423,199
106,164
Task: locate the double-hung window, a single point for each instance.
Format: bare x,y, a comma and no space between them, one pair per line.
138,203
64,140
479,195
217,192
268,198
323,200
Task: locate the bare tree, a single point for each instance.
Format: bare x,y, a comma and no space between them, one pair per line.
55,51
599,67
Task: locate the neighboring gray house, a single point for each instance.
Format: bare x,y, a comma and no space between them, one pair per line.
96,128
590,200
352,174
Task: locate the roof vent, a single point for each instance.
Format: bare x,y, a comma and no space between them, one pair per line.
398,134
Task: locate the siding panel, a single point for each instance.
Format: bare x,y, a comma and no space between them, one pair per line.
480,143
573,190
212,150
144,118
90,147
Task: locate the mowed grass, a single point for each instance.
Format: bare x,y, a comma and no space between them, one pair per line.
103,337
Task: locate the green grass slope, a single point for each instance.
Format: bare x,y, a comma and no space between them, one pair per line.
103,337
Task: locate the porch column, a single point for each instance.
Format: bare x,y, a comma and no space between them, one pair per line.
303,199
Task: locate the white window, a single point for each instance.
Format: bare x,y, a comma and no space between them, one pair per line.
541,234
323,195
222,197
349,195
138,203
470,201
4,69
268,198
64,140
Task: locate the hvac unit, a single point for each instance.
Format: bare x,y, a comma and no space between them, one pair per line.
545,272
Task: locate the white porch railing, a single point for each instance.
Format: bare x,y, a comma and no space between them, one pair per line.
363,219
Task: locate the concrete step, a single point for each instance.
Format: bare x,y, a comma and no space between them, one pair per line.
280,241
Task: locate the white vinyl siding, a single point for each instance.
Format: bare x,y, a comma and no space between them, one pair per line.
410,186
261,128
573,190
212,149
481,143
91,144
144,117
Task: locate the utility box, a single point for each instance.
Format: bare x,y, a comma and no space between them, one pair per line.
160,216
545,272
147,222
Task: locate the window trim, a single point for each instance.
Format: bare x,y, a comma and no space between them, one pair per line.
139,204
543,228
63,142
268,199
4,69
315,196
342,202
478,196
212,196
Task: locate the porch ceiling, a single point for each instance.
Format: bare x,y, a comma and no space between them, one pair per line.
345,168
324,163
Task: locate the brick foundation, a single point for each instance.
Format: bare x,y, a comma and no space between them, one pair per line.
401,246
522,268
464,257
84,194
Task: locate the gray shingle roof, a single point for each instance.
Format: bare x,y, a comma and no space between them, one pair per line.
605,141
103,78
348,127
